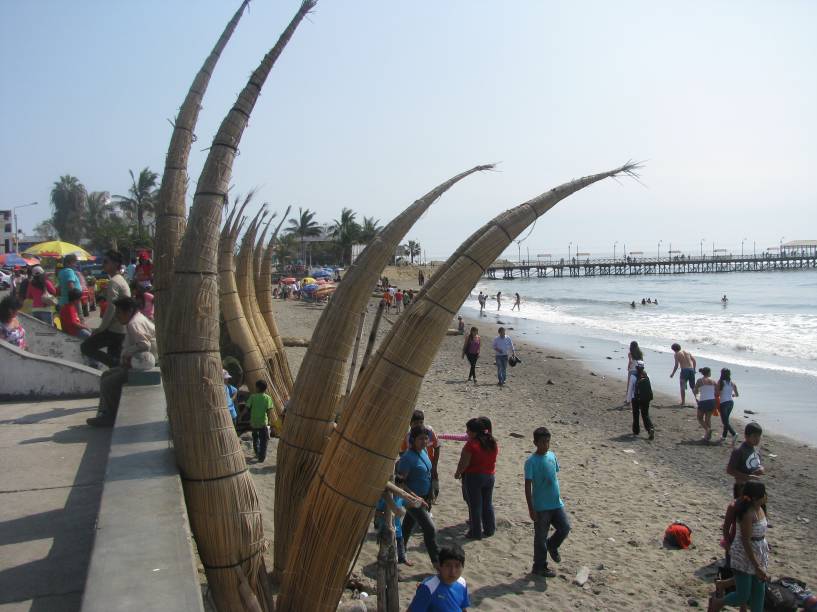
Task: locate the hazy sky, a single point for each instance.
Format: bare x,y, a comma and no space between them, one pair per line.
374,103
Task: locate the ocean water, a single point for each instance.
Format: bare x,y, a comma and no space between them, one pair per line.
766,332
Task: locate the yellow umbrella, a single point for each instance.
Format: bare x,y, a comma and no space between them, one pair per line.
58,248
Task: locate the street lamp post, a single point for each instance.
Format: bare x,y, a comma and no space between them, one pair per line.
702,247
614,250
741,247
780,250
16,235
569,246
659,251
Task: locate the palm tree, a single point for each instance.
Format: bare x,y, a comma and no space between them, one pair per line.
141,198
370,228
304,226
346,232
68,203
413,250
98,210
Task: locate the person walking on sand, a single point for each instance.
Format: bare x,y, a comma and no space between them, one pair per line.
749,552
398,300
633,355
745,462
260,405
517,303
477,468
503,348
727,390
498,300
639,392
545,505
687,363
470,350
705,395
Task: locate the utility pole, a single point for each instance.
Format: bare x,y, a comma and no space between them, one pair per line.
16,235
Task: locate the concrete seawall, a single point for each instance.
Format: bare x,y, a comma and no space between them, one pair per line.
26,375
143,555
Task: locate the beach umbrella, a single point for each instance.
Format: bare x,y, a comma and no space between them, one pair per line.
320,281
15,259
310,287
307,280
288,280
58,248
322,274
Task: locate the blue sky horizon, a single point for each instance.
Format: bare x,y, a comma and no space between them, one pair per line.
370,107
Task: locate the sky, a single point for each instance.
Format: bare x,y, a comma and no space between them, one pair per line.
373,104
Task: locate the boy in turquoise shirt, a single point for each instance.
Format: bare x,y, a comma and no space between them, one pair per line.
260,405
545,504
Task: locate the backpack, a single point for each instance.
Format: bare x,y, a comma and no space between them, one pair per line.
643,389
678,535
779,598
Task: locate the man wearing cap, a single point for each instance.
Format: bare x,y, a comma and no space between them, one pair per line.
110,334
639,394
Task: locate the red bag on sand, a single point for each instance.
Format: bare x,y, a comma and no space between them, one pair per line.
678,535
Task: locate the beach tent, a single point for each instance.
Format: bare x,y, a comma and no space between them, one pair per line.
15,259
58,249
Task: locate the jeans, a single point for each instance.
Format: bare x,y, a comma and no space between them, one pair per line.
748,589
501,368
472,359
541,543
726,410
642,408
401,549
110,392
421,517
479,489
84,333
260,440
91,346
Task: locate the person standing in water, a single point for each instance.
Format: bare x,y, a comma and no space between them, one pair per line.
687,363
517,303
498,300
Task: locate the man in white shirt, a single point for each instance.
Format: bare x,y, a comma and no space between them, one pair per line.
503,349
138,352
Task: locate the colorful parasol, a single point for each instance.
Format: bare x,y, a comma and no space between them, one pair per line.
15,259
58,248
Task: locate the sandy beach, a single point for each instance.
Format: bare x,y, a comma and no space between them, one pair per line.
620,492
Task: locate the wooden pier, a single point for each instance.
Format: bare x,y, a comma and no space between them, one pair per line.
645,267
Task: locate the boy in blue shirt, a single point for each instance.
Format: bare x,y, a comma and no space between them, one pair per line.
231,393
545,504
447,591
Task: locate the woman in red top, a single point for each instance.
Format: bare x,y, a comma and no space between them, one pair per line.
69,316
476,468
37,286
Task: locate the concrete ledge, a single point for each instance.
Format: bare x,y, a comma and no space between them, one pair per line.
47,341
143,556
26,375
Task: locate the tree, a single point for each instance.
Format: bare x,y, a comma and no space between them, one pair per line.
414,250
68,204
98,210
46,229
370,228
345,232
303,226
141,198
285,249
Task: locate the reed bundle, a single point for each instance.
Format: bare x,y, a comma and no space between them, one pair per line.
263,292
360,455
221,499
318,389
232,311
170,206
245,277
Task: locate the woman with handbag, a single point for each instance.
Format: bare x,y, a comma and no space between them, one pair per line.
477,468
42,294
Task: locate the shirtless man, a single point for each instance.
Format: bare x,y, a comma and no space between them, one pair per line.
687,363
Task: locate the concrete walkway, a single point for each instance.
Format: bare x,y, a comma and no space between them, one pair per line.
51,481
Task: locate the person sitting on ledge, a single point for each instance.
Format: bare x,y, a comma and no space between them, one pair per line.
138,353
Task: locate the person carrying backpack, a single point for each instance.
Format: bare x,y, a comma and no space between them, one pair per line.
639,393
